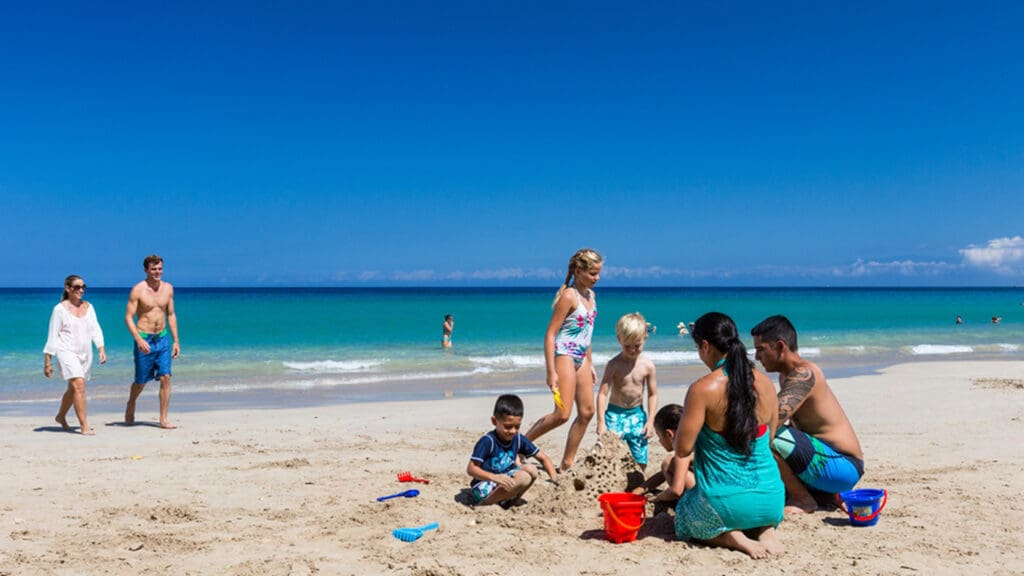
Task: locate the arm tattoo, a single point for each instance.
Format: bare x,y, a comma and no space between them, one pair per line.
794,391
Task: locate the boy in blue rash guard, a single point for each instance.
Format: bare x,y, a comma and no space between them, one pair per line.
493,466
620,399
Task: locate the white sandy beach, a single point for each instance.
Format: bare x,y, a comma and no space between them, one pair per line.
293,492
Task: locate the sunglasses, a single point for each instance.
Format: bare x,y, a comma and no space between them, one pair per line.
77,287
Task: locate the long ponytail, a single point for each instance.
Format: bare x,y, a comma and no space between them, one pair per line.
741,411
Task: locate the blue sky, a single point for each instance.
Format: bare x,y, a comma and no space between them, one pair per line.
453,143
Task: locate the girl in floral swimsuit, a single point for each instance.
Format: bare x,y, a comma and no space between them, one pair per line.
570,370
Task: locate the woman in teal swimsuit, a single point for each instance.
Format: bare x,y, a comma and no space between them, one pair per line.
570,369
728,419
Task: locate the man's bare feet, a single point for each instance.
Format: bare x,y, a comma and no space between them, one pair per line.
167,425
63,421
129,414
794,507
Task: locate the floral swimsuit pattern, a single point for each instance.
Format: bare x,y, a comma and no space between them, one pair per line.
573,339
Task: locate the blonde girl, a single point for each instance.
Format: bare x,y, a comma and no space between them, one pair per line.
73,331
570,369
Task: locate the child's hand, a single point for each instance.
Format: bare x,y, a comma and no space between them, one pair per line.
553,381
505,481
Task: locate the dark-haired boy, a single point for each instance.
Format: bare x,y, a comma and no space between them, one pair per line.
496,476
666,423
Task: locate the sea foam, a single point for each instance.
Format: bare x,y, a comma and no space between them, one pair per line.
335,366
931,349
509,361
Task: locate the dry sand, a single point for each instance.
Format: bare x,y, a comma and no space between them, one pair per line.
293,492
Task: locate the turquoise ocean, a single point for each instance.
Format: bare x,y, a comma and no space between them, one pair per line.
306,346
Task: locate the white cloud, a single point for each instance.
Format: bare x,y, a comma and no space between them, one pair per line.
862,268
1000,254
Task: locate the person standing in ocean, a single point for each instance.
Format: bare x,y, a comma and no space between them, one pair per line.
73,331
570,369
155,334
446,332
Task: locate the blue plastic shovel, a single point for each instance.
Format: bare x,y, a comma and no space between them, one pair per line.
406,494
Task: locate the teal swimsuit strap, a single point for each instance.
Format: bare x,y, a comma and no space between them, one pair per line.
721,364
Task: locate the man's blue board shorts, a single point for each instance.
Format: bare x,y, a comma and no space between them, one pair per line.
158,362
815,463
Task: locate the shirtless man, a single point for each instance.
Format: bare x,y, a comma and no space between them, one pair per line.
818,449
152,301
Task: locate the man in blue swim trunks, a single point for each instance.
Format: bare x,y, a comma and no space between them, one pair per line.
155,334
815,445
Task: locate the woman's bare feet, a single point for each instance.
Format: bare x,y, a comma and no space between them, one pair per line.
738,541
63,421
87,431
771,542
167,425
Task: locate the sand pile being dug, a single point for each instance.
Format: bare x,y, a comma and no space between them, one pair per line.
606,467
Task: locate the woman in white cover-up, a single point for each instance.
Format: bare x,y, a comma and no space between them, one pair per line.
73,331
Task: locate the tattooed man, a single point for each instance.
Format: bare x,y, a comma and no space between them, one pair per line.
815,445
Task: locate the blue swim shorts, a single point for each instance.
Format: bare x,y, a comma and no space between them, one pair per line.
158,362
815,463
628,424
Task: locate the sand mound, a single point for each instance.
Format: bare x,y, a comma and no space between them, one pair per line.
606,467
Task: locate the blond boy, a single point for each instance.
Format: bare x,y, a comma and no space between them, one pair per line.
620,399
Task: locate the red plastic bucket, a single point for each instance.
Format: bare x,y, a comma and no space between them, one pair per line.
863,506
624,514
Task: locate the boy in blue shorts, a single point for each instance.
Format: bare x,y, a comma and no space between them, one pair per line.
620,400
497,476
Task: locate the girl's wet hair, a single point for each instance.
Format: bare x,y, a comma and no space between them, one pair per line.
583,259
740,415
67,284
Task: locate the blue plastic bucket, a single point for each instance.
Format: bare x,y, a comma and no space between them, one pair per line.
863,506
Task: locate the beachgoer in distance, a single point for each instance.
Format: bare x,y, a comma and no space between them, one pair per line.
959,320
620,399
818,448
155,334
728,420
74,330
496,477
666,422
446,332
996,319
570,369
